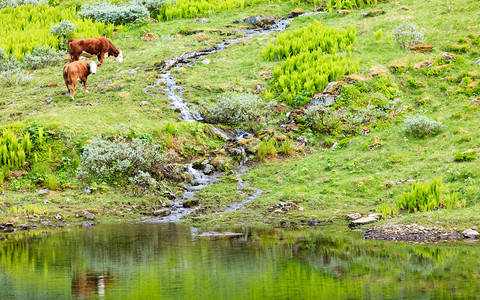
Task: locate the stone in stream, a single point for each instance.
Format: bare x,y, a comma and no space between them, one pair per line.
162,212
214,235
296,12
89,215
354,216
188,203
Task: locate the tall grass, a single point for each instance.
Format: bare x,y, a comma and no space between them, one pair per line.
25,27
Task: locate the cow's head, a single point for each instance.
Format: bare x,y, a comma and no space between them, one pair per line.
119,57
93,67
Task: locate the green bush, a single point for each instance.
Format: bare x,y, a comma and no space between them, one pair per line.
43,57
407,34
119,14
421,126
15,3
242,109
120,159
378,34
286,147
427,197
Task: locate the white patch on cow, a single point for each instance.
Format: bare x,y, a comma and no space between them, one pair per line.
93,67
86,91
119,58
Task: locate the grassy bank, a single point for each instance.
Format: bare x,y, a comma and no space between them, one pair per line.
339,172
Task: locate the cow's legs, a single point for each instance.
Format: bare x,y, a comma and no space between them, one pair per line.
72,90
85,85
100,56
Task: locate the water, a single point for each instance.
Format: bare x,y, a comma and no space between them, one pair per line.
168,261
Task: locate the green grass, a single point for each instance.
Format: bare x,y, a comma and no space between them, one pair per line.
327,184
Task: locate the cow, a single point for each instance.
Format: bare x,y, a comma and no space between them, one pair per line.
99,46
78,71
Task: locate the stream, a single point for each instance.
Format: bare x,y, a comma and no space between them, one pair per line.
178,103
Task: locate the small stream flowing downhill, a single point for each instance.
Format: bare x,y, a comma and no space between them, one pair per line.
174,92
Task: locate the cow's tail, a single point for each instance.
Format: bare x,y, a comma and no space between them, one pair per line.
70,41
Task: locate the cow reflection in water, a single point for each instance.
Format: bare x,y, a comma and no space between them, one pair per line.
89,284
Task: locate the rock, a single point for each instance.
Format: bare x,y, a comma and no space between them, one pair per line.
423,64
474,102
363,221
23,226
2,239
329,95
354,216
143,103
426,47
89,215
249,143
162,212
149,36
472,85
213,235
203,37
378,70
111,87
188,203
374,13
470,234
377,216
474,228
239,152
296,12
124,94
448,56
258,21
201,20
402,8
206,61
319,222
221,162
265,75
87,224
473,73
43,192
282,207
50,84
88,190
354,78
343,12
208,169
397,67
59,217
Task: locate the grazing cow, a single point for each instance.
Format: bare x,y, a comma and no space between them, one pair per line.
99,46
78,71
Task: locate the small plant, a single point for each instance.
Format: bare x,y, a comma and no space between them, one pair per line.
407,34
286,148
51,182
386,210
421,126
378,34
466,155
428,196
63,32
266,148
42,57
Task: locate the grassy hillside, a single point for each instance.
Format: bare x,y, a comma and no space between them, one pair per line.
338,172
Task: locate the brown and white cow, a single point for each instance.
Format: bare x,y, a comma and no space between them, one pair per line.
78,71
99,46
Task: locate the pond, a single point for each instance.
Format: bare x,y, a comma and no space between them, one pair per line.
168,261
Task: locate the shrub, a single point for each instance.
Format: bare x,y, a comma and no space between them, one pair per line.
15,77
407,34
286,147
324,120
116,14
120,159
43,57
427,197
266,148
51,181
421,126
15,3
239,109
63,32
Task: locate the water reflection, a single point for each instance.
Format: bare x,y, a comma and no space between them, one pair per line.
149,261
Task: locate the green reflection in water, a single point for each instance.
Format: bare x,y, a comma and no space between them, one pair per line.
166,261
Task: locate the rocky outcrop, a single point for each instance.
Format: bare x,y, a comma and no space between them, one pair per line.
470,234
426,47
283,207
329,95
423,64
413,232
147,36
